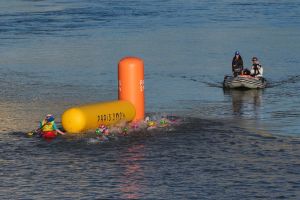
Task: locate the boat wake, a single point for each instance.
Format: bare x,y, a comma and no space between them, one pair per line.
289,80
219,84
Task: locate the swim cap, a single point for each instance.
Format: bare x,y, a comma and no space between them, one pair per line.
49,118
98,131
102,126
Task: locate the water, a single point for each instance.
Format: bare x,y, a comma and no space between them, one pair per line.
231,144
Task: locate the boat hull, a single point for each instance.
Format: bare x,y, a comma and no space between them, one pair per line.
244,82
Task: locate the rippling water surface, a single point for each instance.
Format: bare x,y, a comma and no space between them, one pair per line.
230,144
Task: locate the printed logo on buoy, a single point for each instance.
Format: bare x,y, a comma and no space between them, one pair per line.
142,85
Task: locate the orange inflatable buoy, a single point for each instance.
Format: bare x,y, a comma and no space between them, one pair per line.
131,84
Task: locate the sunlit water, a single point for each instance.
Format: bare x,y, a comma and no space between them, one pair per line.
230,145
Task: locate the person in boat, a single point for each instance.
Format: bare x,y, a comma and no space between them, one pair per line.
237,64
256,68
48,127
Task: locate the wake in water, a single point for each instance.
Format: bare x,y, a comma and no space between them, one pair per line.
154,123
199,79
290,80
150,125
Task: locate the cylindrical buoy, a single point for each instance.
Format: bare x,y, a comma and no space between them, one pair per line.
91,116
131,84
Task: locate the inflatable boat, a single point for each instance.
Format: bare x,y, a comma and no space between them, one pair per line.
244,82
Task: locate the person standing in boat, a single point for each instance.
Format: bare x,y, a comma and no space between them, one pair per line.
256,68
237,64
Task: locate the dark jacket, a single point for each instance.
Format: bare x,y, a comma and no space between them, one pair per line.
237,65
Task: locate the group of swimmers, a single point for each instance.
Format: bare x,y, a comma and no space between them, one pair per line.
49,130
238,66
104,133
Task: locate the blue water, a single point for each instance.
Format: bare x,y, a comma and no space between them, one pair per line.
230,145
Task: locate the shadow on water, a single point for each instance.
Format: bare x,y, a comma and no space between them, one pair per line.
189,127
156,164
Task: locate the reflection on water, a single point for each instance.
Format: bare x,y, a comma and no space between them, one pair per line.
130,186
248,111
245,103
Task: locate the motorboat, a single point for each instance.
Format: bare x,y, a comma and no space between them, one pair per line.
244,82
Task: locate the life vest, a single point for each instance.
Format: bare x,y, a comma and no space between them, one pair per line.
257,70
47,126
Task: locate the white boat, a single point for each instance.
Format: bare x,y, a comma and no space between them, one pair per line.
244,82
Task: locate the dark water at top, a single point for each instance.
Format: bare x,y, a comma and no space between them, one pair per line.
231,144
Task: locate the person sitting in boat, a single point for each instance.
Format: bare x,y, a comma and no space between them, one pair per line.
256,68
237,64
246,71
48,127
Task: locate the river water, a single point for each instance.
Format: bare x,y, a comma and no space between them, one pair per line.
230,144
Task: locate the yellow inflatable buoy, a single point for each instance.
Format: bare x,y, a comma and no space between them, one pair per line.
91,116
